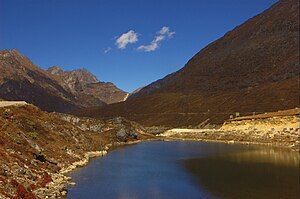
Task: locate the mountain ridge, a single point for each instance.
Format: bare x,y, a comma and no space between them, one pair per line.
268,30
81,80
20,79
253,68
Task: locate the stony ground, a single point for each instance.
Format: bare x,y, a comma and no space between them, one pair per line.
37,147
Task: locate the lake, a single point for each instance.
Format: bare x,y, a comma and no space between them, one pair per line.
189,169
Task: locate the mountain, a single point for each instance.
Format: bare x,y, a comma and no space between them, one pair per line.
253,68
82,81
20,79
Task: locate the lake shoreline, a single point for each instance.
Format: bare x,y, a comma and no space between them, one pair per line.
111,147
61,181
170,139
237,137
58,188
128,164
280,129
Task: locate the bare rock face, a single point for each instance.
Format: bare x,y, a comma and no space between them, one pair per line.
74,79
82,81
253,68
55,70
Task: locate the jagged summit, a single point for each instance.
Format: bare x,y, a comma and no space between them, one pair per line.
82,81
55,89
55,70
81,75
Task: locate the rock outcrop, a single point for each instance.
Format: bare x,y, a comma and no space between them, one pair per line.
82,81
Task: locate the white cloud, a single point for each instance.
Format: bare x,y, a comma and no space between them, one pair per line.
159,38
127,38
163,34
151,47
107,50
166,31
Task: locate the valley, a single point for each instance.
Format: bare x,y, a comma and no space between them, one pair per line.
234,103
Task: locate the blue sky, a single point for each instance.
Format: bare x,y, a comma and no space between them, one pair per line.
128,42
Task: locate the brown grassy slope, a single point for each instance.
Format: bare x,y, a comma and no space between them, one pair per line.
253,68
35,144
193,109
289,112
263,49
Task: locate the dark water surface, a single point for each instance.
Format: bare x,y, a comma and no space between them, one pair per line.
188,169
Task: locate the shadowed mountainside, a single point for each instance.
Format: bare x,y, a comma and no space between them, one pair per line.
253,68
20,79
57,90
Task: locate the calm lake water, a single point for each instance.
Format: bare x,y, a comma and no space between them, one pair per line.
188,169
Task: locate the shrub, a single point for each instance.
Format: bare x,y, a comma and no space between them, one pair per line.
32,134
30,124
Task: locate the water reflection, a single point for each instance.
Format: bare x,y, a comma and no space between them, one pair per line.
187,169
276,156
260,173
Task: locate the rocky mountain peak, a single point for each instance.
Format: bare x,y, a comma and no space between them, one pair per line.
13,54
55,70
4,53
16,53
75,80
82,81
84,76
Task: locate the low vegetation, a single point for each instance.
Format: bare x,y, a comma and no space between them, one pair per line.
36,145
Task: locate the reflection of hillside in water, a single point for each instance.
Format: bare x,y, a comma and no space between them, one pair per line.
276,156
261,172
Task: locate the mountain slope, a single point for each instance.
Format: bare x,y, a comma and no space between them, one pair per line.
264,49
82,81
253,68
20,79
55,90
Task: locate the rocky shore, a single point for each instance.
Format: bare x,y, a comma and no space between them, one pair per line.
57,188
38,148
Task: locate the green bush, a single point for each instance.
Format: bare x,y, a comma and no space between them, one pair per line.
32,134
30,124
